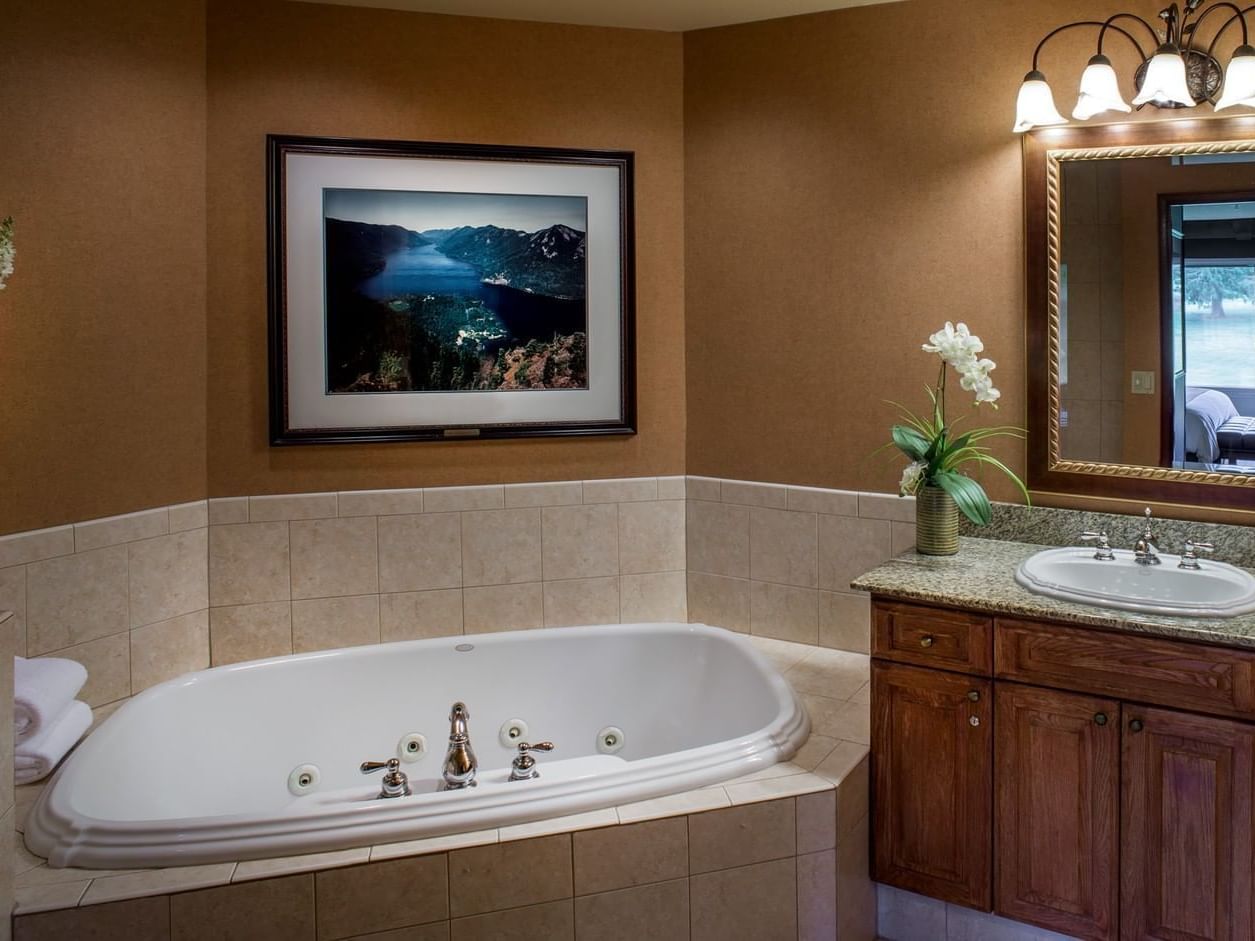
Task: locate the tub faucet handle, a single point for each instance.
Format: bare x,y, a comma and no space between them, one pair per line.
523,768
395,783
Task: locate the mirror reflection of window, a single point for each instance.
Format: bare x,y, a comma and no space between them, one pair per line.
1212,313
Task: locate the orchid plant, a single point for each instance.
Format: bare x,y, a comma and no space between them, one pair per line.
7,251
935,446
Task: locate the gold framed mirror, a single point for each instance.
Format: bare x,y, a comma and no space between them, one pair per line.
1140,263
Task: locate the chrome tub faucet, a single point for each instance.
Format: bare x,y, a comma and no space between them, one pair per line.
460,764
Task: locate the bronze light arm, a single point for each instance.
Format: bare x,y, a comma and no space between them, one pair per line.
1103,27
1238,16
1154,36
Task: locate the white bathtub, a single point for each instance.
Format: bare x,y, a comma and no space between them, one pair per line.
197,770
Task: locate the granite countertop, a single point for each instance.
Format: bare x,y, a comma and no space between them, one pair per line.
982,577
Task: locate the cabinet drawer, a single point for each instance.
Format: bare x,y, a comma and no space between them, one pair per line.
1146,669
933,637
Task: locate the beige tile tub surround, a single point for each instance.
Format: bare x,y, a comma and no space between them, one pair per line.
406,564
127,595
779,850
777,561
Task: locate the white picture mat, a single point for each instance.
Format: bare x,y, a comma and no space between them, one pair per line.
309,404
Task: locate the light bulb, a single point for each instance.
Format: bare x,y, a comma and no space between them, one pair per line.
1239,79
1100,90
1165,79
1035,105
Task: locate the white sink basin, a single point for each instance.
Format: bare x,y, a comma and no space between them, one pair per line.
1215,590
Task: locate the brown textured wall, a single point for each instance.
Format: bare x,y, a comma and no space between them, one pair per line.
102,327
297,68
851,183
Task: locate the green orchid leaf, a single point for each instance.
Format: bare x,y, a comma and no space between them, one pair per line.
968,495
994,462
913,444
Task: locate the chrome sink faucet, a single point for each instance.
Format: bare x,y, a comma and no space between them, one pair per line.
1146,549
460,764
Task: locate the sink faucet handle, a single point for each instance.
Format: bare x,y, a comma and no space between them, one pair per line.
395,783
1103,550
524,747
1189,558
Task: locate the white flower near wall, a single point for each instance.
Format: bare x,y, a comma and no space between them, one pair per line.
956,345
935,446
7,250
912,476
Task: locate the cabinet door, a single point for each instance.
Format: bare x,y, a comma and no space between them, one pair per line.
932,761
1057,761
1187,829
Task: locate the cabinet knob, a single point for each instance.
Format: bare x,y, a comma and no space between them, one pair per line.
926,641
1100,718
974,695
1136,725
974,721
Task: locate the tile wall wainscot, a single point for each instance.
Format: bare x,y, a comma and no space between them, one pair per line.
296,573
777,561
778,854
144,597
126,596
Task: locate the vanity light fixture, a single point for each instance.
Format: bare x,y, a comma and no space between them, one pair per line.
1181,72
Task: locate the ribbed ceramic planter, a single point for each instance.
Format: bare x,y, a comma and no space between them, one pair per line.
936,522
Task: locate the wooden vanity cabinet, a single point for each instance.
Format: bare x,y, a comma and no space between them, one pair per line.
1186,839
1093,795
933,782
1057,809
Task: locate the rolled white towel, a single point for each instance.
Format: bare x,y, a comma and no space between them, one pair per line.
42,688
36,757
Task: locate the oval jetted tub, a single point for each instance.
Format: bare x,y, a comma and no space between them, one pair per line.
262,759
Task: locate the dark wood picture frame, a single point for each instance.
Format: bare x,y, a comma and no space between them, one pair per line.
279,147
1047,470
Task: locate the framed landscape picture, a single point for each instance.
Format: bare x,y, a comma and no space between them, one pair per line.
424,291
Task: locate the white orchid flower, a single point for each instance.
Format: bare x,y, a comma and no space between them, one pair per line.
955,344
912,477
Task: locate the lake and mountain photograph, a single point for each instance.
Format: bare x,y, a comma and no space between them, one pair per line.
454,292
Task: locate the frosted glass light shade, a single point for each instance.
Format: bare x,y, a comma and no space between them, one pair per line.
1100,90
1035,105
1239,80
1165,79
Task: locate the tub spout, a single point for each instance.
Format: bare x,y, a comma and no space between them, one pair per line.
459,761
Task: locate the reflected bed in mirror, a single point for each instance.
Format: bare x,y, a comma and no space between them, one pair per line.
1141,310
